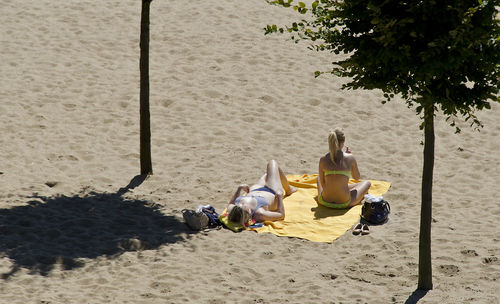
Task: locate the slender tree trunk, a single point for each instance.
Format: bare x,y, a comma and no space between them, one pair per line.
424,256
145,124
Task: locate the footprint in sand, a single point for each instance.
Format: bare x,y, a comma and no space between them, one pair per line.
268,254
329,276
449,270
266,99
314,102
469,252
490,260
213,94
51,184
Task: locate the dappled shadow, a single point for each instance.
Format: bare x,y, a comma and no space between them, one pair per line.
416,296
63,231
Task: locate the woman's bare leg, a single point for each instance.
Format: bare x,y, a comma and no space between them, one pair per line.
276,179
358,191
260,183
320,189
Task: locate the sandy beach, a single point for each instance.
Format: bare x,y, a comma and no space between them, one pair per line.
78,225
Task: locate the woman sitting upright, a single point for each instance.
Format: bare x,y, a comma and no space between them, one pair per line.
335,170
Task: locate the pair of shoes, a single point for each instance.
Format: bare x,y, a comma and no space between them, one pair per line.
361,228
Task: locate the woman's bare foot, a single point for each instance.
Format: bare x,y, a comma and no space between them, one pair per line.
292,190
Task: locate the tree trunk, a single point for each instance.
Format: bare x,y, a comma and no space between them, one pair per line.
145,128
424,256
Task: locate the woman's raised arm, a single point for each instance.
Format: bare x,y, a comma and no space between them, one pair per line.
243,187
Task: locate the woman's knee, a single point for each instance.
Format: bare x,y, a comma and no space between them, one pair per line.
272,168
272,163
366,185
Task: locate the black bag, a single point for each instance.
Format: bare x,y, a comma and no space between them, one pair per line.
375,212
213,216
203,218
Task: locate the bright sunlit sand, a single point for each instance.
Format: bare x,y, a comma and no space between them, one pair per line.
225,99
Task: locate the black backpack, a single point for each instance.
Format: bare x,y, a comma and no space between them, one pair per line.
202,218
375,212
213,216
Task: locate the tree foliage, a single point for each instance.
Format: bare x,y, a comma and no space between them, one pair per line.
446,49
437,54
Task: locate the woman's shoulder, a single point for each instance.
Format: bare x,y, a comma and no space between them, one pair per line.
324,160
349,156
349,159
325,157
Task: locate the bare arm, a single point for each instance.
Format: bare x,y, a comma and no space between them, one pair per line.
321,175
266,215
354,170
243,187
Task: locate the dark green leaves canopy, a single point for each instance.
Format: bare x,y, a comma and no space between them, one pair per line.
443,52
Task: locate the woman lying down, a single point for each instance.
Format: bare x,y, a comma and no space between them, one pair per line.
263,201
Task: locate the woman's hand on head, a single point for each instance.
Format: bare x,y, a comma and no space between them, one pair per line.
245,188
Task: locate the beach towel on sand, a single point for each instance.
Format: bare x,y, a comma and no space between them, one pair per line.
306,219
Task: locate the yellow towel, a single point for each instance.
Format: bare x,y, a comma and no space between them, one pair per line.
304,218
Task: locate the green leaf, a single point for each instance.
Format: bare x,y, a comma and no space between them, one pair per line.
337,72
421,52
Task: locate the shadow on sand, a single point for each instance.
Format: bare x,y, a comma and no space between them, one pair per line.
62,231
321,211
416,296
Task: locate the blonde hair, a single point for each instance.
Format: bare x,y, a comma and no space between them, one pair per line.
335,137
238,215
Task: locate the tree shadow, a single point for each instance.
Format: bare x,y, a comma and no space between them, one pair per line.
63,231
416,296
134,182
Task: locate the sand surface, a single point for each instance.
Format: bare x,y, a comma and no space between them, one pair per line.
78,226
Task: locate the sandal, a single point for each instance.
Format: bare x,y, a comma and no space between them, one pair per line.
365,229
357,229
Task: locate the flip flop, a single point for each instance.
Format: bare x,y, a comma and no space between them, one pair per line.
365,229
357,229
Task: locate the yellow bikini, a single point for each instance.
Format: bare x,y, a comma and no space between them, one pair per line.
335,205
339,172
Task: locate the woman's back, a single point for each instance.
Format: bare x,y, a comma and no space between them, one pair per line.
336,176
335,169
